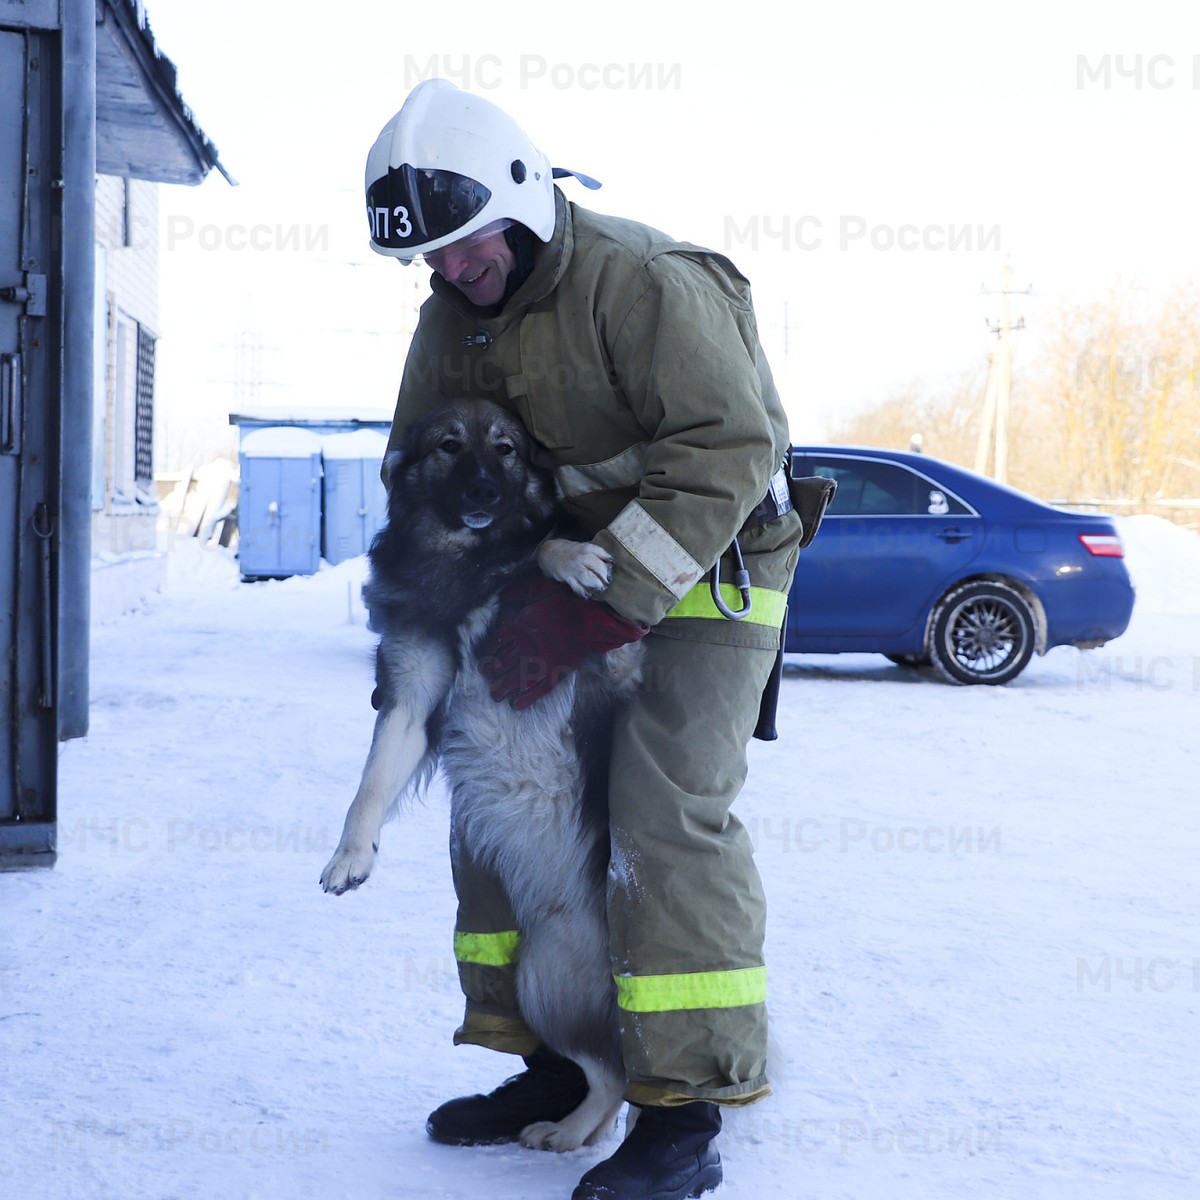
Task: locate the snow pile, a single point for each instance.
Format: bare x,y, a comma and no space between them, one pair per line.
282,441
1164,561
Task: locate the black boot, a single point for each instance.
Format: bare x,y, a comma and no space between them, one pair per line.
549,1089
670,1155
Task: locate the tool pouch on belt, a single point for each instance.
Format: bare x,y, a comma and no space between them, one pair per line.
811,495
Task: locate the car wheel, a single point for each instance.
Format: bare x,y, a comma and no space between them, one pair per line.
982,633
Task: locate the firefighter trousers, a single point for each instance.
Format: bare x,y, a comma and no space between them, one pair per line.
686,909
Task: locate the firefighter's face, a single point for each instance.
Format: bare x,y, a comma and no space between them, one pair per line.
479,269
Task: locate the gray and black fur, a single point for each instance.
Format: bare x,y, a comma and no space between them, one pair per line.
471,508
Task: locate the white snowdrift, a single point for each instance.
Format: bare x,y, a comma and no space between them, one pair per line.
984,954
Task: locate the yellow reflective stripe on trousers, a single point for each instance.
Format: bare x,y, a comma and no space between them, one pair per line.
695,989
490,949
767,607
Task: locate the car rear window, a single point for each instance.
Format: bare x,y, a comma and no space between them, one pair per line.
869,487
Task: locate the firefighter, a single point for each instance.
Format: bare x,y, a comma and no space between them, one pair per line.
635,360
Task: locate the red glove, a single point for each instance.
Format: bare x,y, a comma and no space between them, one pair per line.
545,632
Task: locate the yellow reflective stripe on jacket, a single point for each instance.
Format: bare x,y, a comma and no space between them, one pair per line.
767,607
696,989
490,949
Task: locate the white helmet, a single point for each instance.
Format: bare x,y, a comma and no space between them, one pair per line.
447,165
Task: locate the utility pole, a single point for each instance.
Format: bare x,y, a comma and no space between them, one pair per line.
247,368
785,367
994,425
787,327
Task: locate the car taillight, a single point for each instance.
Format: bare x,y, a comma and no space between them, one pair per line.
1104,545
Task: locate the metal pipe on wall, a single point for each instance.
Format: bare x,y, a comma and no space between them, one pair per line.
75,430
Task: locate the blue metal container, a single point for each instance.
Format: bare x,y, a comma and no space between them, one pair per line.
279,503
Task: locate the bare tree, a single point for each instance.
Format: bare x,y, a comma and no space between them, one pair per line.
1108,408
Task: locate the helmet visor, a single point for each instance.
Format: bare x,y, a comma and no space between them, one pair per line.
437,258
410,207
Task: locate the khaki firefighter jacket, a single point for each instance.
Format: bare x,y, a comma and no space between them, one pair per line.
635,361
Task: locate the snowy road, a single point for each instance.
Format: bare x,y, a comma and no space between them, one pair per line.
984,951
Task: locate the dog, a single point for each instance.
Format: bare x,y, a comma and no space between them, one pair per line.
472,508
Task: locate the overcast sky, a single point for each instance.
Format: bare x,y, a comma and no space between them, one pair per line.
870,167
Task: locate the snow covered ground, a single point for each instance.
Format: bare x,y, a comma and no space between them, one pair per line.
984,953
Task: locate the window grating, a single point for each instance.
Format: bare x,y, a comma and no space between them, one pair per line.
143,429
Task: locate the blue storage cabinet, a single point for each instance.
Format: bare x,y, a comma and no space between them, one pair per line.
355,506
279,503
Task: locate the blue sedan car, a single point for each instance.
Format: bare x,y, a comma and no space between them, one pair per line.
928,563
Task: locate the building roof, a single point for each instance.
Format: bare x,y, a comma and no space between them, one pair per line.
324,420
144,130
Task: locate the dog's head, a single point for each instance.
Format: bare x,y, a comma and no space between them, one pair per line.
473,466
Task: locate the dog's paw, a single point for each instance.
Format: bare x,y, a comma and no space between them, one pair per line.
583,566
349,867
551,1135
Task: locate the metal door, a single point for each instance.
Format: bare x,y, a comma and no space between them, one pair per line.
279,516
30,387
354,501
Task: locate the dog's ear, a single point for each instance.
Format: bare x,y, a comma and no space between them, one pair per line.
393,460
407,451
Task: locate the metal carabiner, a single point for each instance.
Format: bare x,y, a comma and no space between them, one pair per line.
741,580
